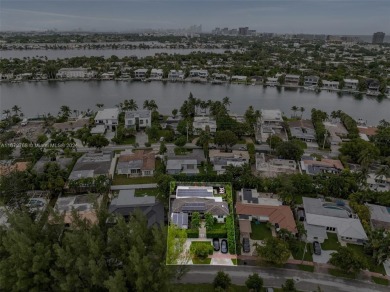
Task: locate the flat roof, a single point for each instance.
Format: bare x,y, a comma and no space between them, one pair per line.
194,192
107,114
139,114
379,213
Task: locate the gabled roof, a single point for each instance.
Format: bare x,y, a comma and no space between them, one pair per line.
301,124
140,159
276,214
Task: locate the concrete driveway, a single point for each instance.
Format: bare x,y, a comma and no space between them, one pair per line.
324,257
141,138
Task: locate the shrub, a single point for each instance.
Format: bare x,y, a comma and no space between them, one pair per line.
181,141
252,152
192,233
201,249
148,144
230,234
216,233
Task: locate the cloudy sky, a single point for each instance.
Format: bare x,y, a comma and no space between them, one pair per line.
280,16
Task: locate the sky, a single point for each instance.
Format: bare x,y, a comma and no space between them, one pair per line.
348,17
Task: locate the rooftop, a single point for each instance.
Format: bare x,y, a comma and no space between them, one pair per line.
83,204
91,164
139,159
379,213
107,114
319,207
275,114
138,114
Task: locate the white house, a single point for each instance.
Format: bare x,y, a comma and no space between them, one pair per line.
272,81
351,84
187,166
311,80
291,80
139,119
199,73
175,75
108,117
156,74
74,73
201,123
335,217
326,84
238,78
140,73
378,183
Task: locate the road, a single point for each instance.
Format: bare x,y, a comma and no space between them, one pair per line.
305,281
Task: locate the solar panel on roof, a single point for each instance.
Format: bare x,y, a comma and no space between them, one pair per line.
194,207
193,193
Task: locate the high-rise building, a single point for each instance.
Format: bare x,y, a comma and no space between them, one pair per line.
243,30
378,37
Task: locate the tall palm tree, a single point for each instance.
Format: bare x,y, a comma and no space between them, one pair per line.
226,101
301,109
132,105
294,109
150,105
99,105
16,109
65,110
204,141
6,112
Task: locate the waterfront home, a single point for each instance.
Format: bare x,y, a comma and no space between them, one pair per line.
92,165
238,79
273,167
140,73
71,125
174,75
380,216
332,85
156,74
337,217
219,77
378,183
201,123
126,203
351,84
186,166
367,132
312,167
203,74
221,160
75,73
139,119
137,163
263,208
303,130
108,117
108,76
6,76
270,123
311,81
337,132
373,87
272,81
23,76
291,80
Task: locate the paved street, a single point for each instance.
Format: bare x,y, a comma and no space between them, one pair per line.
305,281
131,187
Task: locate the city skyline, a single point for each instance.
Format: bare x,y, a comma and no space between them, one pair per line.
291,17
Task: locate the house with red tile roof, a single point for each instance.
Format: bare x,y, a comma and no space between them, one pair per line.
137,163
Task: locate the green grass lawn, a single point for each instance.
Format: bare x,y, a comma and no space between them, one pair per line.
129,140
380,281
207,169
234,261
260,231
121,179
342,274
306,268
332,243
299,254
198,261
372,266
205,288
146,192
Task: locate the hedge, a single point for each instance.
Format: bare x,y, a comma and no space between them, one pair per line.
231,234
216,233
192,233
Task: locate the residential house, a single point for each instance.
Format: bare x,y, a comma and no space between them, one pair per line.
190,199
219,77
201,123
336,131
367,132
137,163
7,166
71,125
139,119
351,84
378,183
303,130
91,165
156,74
274,167
380,216
373,87
335,217
331,85
6,76
108,76
238,79
291,80
108,117
62,161
186,166
270,123
140,73
272,81
313,167
203,74
221,160
311,81
254,206
126,203
75,73
174,75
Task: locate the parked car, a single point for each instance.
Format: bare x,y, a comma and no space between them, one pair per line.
242,148
246,245
224,246
216,244
277,227
212,147
317,248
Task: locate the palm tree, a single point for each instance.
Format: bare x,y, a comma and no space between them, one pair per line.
150,105
6,112
226,101
16,109
130,105
203,141
294,109
99,105
302,109
65,110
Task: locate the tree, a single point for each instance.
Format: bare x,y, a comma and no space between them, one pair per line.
99,105
6,113
65,112
163,148
203,141
301,109
378,245
290,150
195,220
129,105
98,141
289,286
174,112
222,280
347,260
175,245
16,109
274,141
226,101
294,109
209,220
275,251
254,282
225,138
150,105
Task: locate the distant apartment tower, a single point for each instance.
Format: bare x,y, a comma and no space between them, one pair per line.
378,37
243,30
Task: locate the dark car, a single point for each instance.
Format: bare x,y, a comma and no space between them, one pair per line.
224,246
317,248
246,246
216,244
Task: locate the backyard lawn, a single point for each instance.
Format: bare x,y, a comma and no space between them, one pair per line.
332,243
122,179
372,266
146,192
260,231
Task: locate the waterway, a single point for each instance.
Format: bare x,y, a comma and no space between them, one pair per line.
47,97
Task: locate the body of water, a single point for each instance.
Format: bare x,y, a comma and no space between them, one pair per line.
44,97
54,54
